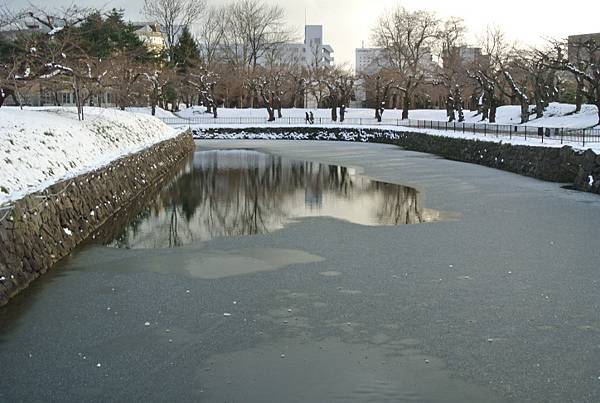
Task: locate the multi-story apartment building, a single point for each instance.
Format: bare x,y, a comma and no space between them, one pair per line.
370,60
312,52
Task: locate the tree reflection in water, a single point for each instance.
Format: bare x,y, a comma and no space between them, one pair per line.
238,193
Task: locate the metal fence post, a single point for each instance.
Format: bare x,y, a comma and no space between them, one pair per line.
562,132
583,134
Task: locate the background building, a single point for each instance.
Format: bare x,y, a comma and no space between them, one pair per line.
574,46
151,35
312,52
370,60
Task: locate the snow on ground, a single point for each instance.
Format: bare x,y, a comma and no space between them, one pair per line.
146,110
391,132
41,146
556,115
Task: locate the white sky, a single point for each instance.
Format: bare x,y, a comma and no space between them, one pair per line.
347,23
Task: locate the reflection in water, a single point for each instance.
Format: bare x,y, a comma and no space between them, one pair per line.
235,193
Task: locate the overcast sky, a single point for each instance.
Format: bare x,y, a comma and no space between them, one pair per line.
347,23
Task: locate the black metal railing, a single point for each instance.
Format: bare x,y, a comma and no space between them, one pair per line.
543,134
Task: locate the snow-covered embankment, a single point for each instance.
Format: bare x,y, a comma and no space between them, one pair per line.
62,179
41,146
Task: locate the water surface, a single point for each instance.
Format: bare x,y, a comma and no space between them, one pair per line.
239,193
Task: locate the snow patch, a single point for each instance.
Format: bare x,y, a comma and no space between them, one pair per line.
556,115
42,146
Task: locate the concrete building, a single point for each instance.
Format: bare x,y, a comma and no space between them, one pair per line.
316,50
574,46
370,60
308,53
469,55
312,51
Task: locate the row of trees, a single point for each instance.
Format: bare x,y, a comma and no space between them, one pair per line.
236,56
236,59
502,73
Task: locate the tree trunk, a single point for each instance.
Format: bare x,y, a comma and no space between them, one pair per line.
405,106
450,109
485,113
493,106
277,102
458,103
484,107
524,110
342,113
539,104
578,95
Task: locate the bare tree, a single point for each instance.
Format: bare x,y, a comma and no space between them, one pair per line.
211,35
57,55
205,82
341,88
530,78
156,82
318,74
519,86
408,38
253,30
452,74
546,83
585,68
259,26
125,76
487,72
382,85
297,76
173,16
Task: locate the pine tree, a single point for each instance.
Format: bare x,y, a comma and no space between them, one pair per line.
186,54
102,37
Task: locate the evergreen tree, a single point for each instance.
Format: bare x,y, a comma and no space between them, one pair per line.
186,54
103,37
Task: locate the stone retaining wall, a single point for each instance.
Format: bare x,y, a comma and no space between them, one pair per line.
563,165
45,227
